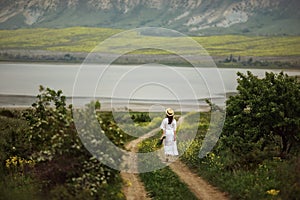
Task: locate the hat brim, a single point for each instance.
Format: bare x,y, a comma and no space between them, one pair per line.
170,114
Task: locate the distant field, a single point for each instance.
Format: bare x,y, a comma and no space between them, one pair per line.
83,39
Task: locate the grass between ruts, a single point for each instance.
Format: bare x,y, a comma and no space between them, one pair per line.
163,184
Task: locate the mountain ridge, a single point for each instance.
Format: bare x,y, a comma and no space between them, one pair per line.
194,17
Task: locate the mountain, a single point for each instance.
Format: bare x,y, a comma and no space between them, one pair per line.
194,17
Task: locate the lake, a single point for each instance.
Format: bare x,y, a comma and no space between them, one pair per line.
121,86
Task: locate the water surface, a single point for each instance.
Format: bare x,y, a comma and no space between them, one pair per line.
126,84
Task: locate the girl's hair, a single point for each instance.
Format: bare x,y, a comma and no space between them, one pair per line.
170,119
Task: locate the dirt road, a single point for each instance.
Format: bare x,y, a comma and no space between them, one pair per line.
200,188
134,189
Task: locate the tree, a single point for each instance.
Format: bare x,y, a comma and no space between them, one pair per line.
51,125
230,58
250,60
265,113
62,160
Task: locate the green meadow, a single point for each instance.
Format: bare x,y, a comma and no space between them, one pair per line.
85,39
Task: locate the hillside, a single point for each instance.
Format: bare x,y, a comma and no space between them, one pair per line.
74,43
194,17
85,39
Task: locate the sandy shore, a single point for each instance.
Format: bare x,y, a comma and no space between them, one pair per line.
23,101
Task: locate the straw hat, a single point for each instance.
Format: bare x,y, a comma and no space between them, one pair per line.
170,112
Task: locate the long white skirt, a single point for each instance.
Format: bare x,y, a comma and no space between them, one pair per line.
170,145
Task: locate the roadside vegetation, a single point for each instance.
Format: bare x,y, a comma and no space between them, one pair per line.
42,156
257,155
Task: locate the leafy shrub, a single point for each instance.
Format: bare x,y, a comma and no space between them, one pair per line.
13,140
140,117
257,156
19,187
63,165
288,173
51,126
263,111
7,113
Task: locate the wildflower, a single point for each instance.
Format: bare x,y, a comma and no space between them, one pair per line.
7,164
14,158
273,192
21,161
30,163
14,161
247,109
212,156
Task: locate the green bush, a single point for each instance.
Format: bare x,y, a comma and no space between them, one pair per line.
257,156
13,138
63,168
263,116
288,173
19,187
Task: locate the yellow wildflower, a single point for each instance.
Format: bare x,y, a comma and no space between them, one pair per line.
15,163
30,163
21,161
273,192
7,163
14,158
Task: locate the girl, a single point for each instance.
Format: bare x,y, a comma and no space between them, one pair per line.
168,125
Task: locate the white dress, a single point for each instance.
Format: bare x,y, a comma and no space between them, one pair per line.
170,145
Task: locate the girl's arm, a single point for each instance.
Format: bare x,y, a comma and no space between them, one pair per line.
163,133
163,127
174,135
175,127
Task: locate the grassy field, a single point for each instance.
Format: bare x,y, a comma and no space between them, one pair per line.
84,39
